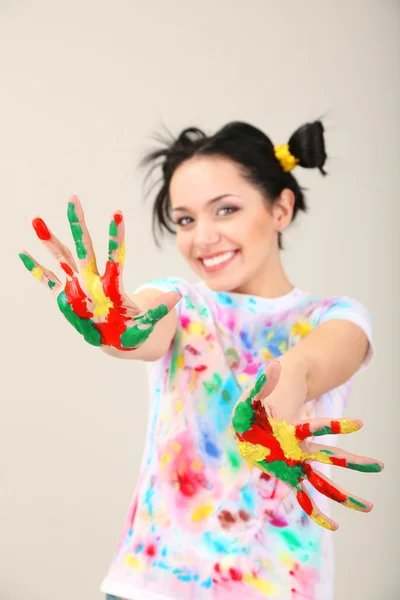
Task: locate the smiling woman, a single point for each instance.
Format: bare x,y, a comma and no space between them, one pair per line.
204,524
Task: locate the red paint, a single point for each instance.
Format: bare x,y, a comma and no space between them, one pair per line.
192,350
67,269
226,519
303,431
324,486
339,462
77,299
244,515
151,550
235,574
117,218
184,321
41,229
304,502
335,426
200,368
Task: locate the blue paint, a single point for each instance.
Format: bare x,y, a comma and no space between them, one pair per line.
162,565
139,549
212,449
184,577
244,336
248,498
207,583
224,299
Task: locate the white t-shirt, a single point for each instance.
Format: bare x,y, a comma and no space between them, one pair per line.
202,524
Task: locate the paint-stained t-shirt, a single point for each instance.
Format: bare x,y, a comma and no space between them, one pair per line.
203,525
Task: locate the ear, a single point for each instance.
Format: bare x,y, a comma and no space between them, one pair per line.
282,210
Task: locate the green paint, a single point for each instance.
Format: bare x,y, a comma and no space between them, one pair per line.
218,380
280,470
28,262
112,246
327,452
243,416
372,468
323,431
134,336
51,284
174,357
84,326
226,397
76,230
357,502
113,229
234,458
292,541
189,303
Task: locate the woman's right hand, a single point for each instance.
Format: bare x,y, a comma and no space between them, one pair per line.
96,305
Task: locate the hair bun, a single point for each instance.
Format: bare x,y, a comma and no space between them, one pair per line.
307,145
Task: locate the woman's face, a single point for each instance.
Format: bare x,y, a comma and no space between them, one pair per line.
226,229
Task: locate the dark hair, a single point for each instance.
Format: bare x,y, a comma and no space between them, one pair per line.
249,148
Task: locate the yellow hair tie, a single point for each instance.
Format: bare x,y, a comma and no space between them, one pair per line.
285,157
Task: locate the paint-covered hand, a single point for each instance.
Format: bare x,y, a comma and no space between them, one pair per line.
284,450
94,304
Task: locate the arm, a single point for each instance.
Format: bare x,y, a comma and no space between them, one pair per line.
322,361
160,340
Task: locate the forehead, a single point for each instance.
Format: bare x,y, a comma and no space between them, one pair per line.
200,179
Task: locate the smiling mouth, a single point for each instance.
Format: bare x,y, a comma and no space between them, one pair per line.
219,261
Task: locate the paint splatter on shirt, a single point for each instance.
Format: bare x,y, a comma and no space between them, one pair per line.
203,525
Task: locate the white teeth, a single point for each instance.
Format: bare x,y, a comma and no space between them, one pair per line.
211,262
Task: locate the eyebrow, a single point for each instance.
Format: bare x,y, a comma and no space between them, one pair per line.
212,201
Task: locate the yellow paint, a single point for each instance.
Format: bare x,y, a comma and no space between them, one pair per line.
286,559
176,447
102,304
261,585
243,378
195,328
180,362
133,561
197,465
37,273
301,328
179,406
348,426
202,513
270,335
121,253
266,354
165,460
252,452
286,436
283,346
320,520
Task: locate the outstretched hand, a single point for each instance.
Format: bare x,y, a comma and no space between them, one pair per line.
284,450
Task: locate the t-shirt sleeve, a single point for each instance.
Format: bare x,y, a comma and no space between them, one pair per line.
350,310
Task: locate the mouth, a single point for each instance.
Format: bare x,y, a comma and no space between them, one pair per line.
219,261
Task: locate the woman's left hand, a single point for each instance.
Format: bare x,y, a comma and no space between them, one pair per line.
284,451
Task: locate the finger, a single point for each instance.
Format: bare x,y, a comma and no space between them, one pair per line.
317,427
45,276
80,233
266,382
56,248
112,279
116,243
325,486
309,507
341,458
144,324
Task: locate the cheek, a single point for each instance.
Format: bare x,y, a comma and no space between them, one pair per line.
184,244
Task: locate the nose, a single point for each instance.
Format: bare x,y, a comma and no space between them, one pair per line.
206,234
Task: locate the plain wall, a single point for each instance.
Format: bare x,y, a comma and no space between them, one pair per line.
83,84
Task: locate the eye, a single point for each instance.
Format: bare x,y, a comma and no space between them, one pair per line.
227,210
182,221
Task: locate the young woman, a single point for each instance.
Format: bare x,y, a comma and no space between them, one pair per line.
204,523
